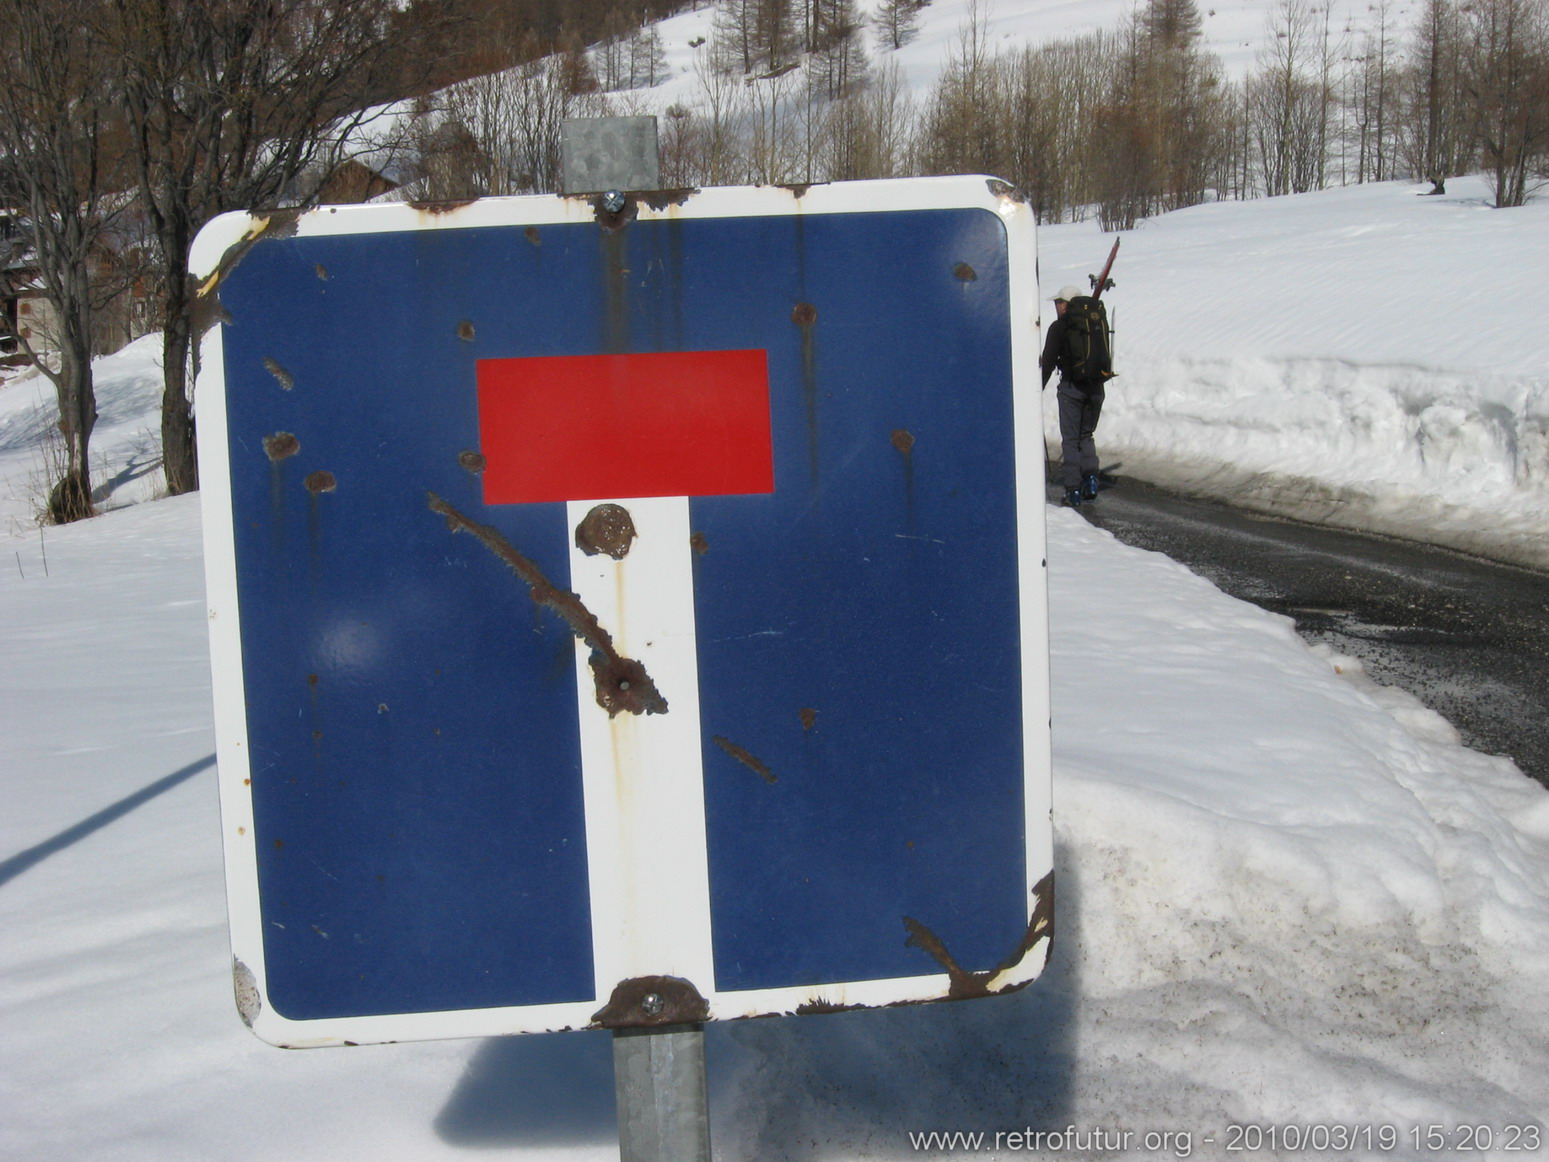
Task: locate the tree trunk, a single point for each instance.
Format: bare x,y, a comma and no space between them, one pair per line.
180,463
70,498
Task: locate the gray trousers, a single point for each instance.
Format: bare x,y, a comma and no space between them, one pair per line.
1079,409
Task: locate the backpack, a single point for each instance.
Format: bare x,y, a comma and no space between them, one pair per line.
1086,355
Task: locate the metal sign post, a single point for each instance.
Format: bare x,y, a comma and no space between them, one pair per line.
627,613
662,1097
660,1085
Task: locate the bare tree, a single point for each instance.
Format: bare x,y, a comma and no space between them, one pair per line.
962,130
647,57
1034,163
58,90
1286,106
1375,100
448,162
872,129
704,143
610,56
755,36
897,22
515,116
836,52
629,56
236,104
1436,142
1506,77
774,142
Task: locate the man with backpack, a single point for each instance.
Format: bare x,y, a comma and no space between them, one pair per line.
1077,343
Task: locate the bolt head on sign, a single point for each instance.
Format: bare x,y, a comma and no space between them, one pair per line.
623,618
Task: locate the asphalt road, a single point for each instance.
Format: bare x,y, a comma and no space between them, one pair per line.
1469,638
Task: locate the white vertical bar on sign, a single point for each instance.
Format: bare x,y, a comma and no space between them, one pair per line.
642,775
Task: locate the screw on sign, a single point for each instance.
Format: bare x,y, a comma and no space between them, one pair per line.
628,617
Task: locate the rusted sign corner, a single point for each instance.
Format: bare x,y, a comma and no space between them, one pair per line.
204,293
649,1001
1006,977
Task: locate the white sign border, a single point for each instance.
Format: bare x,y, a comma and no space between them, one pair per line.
220,245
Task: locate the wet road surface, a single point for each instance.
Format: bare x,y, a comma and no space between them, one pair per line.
1467,637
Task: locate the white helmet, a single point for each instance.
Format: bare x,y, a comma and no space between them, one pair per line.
1067,293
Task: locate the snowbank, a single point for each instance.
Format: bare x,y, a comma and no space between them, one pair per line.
1365,357
1284,896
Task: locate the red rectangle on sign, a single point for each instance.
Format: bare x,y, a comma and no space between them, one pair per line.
594,427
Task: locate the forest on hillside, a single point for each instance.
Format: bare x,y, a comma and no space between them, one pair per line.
126,125
1127,122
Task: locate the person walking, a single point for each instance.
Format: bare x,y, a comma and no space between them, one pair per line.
1080,403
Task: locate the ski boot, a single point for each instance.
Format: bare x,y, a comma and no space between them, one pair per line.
1089,486
1073,498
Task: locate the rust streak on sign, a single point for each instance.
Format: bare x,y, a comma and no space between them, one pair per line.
622,683
285,379
746,758
965,984
805,316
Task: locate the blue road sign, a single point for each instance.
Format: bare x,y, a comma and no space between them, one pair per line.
622,619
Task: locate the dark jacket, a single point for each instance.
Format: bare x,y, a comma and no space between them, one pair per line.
1053,343
1053,348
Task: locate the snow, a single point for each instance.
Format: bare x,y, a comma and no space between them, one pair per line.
1232,32
1287,895
1368,356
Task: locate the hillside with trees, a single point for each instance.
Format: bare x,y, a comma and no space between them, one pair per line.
126,125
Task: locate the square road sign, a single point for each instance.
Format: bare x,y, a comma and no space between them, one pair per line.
627,618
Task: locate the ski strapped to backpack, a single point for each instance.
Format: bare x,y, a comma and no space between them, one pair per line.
1087,355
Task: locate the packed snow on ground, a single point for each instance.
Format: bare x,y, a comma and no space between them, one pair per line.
1287,897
